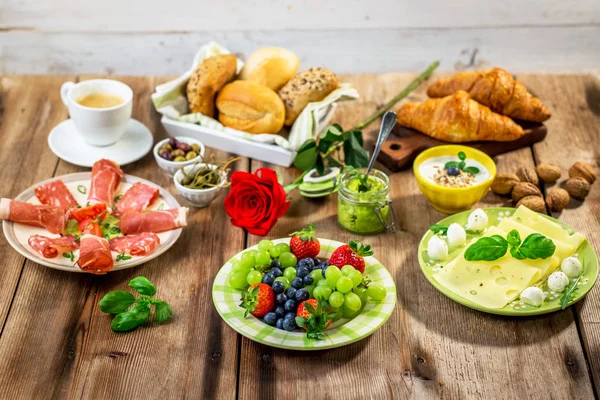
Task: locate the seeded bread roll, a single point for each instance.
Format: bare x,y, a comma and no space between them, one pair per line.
308,86
208,78
250,107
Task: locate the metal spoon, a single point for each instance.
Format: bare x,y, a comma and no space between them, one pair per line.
389,120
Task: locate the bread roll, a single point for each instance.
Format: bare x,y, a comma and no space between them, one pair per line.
308,86
208,78
250,107
271,66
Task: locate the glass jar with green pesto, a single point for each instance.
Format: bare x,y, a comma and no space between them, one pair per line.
365,208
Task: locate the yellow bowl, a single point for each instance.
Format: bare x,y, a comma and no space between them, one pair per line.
452,200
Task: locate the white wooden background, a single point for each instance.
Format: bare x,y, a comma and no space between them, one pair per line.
150,37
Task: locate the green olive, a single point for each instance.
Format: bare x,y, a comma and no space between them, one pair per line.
166,147
195,147
178,153
179,159
190,154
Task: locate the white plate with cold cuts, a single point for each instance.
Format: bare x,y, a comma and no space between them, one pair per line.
18,234
67,144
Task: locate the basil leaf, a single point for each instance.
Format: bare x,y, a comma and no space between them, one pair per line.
162,311
516,253
435,228
354,154
537,246
487,248
462,164
131,319
451,164
471,170
116,302
307,156
143,286
513,238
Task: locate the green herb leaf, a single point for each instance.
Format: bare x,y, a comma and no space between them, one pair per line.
72,228
462,165
487,248
513,238
110,227
69,255
462,156
161,207
116,302
516,253
567,295
81,189
437,228
143,286
123,257
354,154
162,311
537,246
451,164
129,320
117,198
307,156
471,170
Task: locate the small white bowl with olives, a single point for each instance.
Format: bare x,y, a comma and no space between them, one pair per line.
173,153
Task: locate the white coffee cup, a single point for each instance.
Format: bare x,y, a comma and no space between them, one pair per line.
98,126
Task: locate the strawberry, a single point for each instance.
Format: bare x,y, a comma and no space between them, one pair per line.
258,300
314,317
304,244
351,254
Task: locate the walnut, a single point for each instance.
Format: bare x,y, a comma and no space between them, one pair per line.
534,203
527,174
557,199
583,170
504,183
548,173
524,189
578,188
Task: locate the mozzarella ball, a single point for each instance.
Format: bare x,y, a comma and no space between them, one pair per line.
478,221
533,295
456,235
437,249
571,266
558,281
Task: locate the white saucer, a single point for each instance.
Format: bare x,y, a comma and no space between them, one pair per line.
65,142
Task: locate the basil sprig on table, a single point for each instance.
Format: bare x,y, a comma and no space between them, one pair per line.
119,302
490,248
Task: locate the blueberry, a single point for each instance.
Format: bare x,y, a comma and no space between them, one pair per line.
275,264
290,305
302,271
297,283
278,287
280,311
308,280
289,324
268,279
290,315
279,323
301,295
270,318
324,264
276,272
453,171
290,293
281,298
307,262
316,261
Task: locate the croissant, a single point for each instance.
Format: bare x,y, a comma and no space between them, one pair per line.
496,89
457,118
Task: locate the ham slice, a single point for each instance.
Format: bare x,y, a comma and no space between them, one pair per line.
106,177
55,193
94,255
136,199
153,221
54,219
136,245
53,247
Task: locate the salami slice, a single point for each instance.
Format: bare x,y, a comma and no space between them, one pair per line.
153,221
106,177
136,245
54,219
52,247
94,255
55,193
136,199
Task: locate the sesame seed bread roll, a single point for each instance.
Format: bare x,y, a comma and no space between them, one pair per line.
271,66
250,107
306,87
208,78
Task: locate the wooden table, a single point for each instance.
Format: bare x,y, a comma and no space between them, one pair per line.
55,342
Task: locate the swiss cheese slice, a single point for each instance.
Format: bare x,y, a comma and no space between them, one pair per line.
491,284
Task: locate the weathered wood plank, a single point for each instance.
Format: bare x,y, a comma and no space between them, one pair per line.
431,347
539,49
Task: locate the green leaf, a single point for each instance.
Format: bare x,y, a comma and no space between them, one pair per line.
307,156
513,238
81,189
162,310
330,135
332,162
117,198
487,248
516,253
462,156
451,164
161,207
567,296
354,154
436,228
471,170
310,308
301,322
122,257
110,227
143,286
72,228
537,246
129,320
462,164
116,302
320,165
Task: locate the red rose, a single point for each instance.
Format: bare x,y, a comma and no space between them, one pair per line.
256,201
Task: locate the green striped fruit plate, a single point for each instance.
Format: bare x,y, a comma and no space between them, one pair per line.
340,333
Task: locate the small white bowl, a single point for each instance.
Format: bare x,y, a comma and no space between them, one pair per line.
198,197
171,167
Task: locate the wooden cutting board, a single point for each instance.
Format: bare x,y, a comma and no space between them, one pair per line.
405,144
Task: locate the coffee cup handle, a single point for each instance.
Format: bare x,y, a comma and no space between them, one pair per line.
64,92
